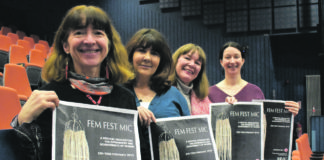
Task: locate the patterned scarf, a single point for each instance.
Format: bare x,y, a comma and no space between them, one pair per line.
93,86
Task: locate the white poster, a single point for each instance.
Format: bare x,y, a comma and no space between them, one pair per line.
182,138
82,131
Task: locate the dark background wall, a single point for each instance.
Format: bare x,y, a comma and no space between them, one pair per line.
282,37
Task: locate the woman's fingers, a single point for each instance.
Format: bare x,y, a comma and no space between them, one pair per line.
292,107
146,116
230,99
36,104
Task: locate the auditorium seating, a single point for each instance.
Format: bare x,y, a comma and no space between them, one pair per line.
44,43
1,79
295,155
21,34
30,40
14,37
9,106
5,43
32,45
5,30
34,67
18,55
35,37
25,44
15,76
43,48
304,147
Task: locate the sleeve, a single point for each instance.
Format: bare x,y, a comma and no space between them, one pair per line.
260,94
182,102
29,138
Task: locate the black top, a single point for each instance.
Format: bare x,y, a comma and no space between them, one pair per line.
38,134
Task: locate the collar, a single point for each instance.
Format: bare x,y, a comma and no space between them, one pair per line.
185,89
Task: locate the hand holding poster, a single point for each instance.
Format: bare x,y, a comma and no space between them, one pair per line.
238,130
188,137
82,131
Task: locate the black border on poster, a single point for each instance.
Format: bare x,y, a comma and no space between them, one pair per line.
187,138
246,124
101,111
279,132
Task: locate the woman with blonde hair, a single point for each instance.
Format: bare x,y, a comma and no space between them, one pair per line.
86,66
190,77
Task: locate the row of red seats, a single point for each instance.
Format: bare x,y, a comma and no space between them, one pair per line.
23,51
5,30
16,87
21,62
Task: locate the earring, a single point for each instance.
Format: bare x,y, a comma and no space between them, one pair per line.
107,72
66,69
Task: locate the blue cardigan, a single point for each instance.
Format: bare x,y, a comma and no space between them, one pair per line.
169,104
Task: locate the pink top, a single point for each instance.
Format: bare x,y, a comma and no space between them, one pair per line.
199,106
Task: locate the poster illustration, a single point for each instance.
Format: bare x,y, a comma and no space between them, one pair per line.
237,129
279,130
182,138
82,131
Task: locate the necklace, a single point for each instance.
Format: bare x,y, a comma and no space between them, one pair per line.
93,101
233,90
144,97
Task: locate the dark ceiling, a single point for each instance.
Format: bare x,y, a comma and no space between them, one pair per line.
40,17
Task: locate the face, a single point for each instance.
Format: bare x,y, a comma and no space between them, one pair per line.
188,67
145,61
232,61
88,48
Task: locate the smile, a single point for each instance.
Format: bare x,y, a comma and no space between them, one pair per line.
89,51
146,66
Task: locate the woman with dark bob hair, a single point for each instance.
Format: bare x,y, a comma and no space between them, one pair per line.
150,56
86,66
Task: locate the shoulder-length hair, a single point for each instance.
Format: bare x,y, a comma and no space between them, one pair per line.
200,83
79,17
151,38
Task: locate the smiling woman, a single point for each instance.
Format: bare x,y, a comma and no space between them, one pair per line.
190,77
152,64
86,66
88,48
233,88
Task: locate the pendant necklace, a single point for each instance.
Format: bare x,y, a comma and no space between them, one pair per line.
93,101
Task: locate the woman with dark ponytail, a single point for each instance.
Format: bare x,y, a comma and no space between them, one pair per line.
233,88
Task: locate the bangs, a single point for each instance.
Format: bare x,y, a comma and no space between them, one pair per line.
87,16
148,41
190,50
